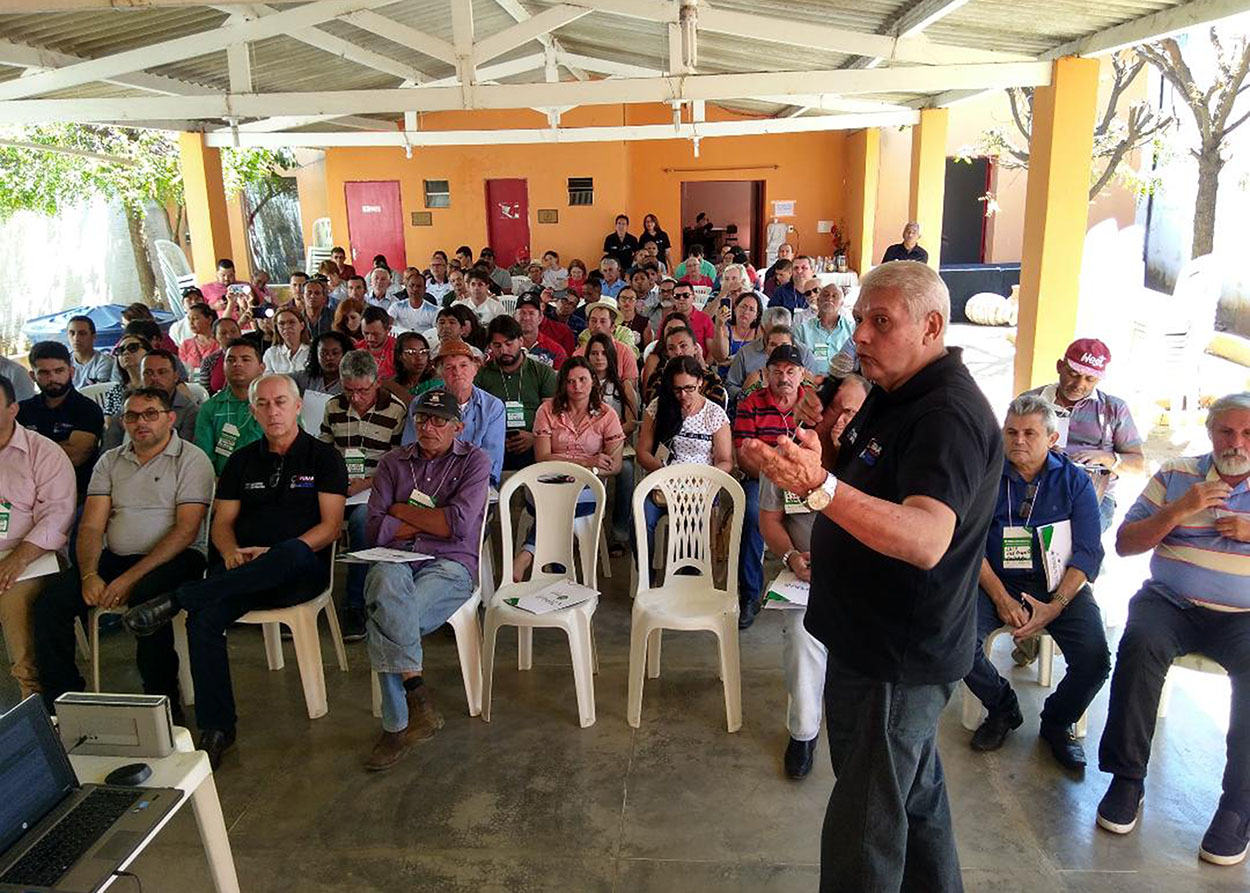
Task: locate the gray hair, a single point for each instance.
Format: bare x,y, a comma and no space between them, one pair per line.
358,364
742,272
1033,404
855,378
271,376
774,316
921,287
1228,402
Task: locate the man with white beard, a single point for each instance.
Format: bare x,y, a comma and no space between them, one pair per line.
1195,515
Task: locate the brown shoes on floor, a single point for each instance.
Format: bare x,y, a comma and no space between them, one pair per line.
423,721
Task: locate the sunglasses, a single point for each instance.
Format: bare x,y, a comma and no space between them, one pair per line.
279,465
810,292
132,347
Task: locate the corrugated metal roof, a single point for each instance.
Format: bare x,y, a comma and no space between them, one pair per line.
284,64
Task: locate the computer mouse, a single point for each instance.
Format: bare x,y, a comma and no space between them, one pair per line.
130,774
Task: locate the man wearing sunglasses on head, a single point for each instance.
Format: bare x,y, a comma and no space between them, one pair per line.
279,509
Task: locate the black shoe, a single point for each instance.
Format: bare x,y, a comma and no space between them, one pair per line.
1120,806
147,618
799,757
215,742
353,624
1063,744
747,613
993,731
1227,837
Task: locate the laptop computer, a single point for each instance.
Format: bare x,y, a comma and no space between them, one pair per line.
55,834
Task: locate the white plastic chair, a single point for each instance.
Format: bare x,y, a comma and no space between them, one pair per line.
509,303
555,503
1199,662
96,392
973,712
464,624
198,392
301,620
185,686
520,285
687,602
701,295
321,235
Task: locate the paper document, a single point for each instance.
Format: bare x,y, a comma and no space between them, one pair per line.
385,555
1056,542
556,597
361,498
42,566
787,592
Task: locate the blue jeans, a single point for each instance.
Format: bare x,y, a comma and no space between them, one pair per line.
356,539
653,515
751,562
622,507
1080,635
404,603
1106,512
888,825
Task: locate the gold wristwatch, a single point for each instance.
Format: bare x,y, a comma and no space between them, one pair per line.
819,498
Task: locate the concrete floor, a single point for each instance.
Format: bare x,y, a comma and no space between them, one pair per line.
531,801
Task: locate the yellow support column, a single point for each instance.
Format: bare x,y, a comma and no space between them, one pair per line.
1056,213
928,179
207,219
863,174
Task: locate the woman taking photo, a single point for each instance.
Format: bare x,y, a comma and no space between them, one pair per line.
321,370
414,373
731,329
201,343
574,426
289,353
128,354
651,229
601,352
348,316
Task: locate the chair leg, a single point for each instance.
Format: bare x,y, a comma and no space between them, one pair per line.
486,571
488,662
273,645
661,545
1045,661
93,621
336,635
308,656
605,557
731,672
376,689
653,653
638,635
583,673
1165,697
524,647
972,710
81,638
469,645
594,650
186,685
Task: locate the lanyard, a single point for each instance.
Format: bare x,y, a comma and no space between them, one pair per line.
412,469
505,377
1030,498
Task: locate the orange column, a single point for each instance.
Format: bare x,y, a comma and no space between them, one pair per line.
205,194
1056,213
863,172
928,179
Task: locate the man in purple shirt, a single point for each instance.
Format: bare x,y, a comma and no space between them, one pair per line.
429,497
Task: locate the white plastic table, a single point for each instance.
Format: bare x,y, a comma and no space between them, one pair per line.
186,769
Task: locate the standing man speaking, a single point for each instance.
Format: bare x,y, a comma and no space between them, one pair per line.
894,580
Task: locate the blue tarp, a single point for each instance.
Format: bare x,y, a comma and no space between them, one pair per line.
107,319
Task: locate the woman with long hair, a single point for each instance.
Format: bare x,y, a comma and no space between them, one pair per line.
336,288
621,396
655,357
414,371
575,426
577,275
128,354
348,316
289,352
651,229
734,327
321,370
201,343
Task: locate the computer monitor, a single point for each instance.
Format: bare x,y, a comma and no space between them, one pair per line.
35,774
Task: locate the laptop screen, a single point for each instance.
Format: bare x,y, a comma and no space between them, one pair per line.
35,774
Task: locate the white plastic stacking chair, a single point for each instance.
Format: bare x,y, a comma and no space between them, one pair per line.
555,503
301,620
1199,662
185,686
96,392
973,712
198,392
687,602
468,630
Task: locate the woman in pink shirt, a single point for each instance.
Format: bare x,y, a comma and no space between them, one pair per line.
201,343
575,426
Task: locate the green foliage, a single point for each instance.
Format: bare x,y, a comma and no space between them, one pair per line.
248,167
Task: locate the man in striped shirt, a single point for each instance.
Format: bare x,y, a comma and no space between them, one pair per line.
364,423
1195,515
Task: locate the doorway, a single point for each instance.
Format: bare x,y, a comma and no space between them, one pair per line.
963,211
508,220
375,223
727,203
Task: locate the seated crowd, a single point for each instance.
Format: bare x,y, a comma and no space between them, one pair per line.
433,389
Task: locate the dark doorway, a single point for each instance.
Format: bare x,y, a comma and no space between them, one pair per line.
963,211
737,203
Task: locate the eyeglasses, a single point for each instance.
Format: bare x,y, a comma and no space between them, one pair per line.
415,351
432,420
681,389
148,415
810,292
279,465
128,348
1026,504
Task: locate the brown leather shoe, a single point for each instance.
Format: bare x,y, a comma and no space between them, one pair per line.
390,749
423,717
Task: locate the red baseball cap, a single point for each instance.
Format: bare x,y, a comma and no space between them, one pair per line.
1088,356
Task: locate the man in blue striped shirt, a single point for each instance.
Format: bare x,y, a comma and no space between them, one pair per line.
1195,515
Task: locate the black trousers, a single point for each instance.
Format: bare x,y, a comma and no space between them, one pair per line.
61,602
1158,631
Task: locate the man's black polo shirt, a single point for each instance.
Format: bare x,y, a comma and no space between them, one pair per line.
76,413
898,251
934,436
279,493
622,248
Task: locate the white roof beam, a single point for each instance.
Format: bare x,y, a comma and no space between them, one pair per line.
911,23
279,123
462,31
840,40
190,46
609,91
520,14
523,32
1194,14
404,35
35,58
608,67
495,71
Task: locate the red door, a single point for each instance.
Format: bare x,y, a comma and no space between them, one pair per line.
508,220
375,224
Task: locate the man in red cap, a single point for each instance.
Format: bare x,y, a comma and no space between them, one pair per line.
1095,429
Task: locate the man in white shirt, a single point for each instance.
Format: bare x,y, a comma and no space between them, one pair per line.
414,312
91,366
480,300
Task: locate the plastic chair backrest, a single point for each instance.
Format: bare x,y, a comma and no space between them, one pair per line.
321,236
175,272
509,304
690,491
96,392
198,392
555,501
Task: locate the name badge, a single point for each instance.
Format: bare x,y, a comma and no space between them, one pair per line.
227,439
794,505
1061,425
5,509
1017,549
355,460
821,352
420,500
513,414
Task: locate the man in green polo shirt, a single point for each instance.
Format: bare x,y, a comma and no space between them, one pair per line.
225,421
521,383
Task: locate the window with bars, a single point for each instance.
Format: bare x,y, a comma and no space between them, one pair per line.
437,194
581,191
